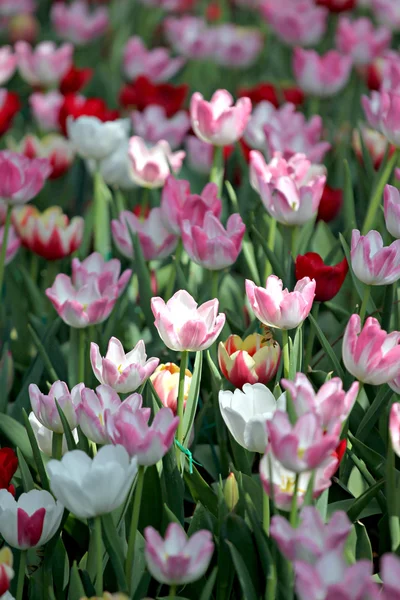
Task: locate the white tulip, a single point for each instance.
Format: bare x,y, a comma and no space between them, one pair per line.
95,139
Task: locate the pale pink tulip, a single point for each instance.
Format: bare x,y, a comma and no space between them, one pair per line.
76,23
122,372
190,36
277,307
372,263
290,190
156,64
46,109
219,122
150,167
390,571
45,409
8,63
296,22
387,12
236,46
165,380
183,325
177,559
56,148
382,110
11,8
371,354
153,125
331,403
13,244
391,205
375,143
130,429
321,76
107,272
155,240
200,154
359,39
212,246
394,427
44,65
21,178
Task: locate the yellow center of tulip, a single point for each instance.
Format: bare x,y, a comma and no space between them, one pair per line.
119,368
101,419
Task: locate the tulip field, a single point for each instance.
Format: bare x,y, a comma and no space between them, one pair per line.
200,307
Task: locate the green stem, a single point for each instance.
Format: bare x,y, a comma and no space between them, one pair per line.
171,282
102,238
270,593
271,244
364,303
172,591
4,245
181,393
119,201
21,575
285,353
217,170
81,361
294,231
134,526
98,548
214,284
56,445
313,106
266,513
391,495
311,337
34,270
378,191
293,509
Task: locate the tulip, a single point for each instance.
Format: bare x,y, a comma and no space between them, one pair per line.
391,199
304,24
9,107
178,204
303,446
44,436
31,521
328,280
321,76
130,428
123,372
9,8
151,166
8,466
92,487
6,571
75,79
152,125
46,109
54,147
280,308
387,13
45,409
21,178
375,143
177,560
336,6
372,263
231,492
76,23
382,112
290,190
267,92
252,360
330,204
142,92
390,576
331,403
8,63
200,155
45,65
76,106
219,122
236,46
190,36
115,169
95,139
155,240
247,412
394,427
211,245
49,234
360,40
371,354
312,538
183,325
165,380
279,483
13,243
156,63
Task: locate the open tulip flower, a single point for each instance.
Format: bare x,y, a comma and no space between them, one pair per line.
156,63
78,24
45,408
44,436
151,166
153,125
21,178
371,262
54,147
8,466
321,76
46,64
93,138
328,280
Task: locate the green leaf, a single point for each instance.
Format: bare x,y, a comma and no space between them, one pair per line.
76,590
16,434
4,377
372,459
44,355
362,501
191,404
209,586
245,581
260,535
113,545
69,438
173,486
363,546
142,272
374,412
348,204
276,266
27,481
296,352
201,491
327,347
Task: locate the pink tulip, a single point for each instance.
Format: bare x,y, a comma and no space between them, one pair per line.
177,559
382,110
156,64
200,154
151,166
153,125
183,325
290,190
211,245
45,409
331,403
11,8
394,426
312,538
123,372
371,354
46,109
178,204
90,295
165,380
130,429
155,240
8,63
280,308
297,23
190,36
387,12
45,65
391,200
219,122
236,46
279,483
76,23
372,263
93,407
390,571
21,178
375,143
13,244
56,148
359,39
303,446
321,76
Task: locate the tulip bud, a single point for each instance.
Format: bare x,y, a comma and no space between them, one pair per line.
254,359
231,491
6,570
108,596
166,381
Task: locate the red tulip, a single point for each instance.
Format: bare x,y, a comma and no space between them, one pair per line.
8,466
268,92
142,92
9,106
337,6
330,205
329,280
77,106
74,80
